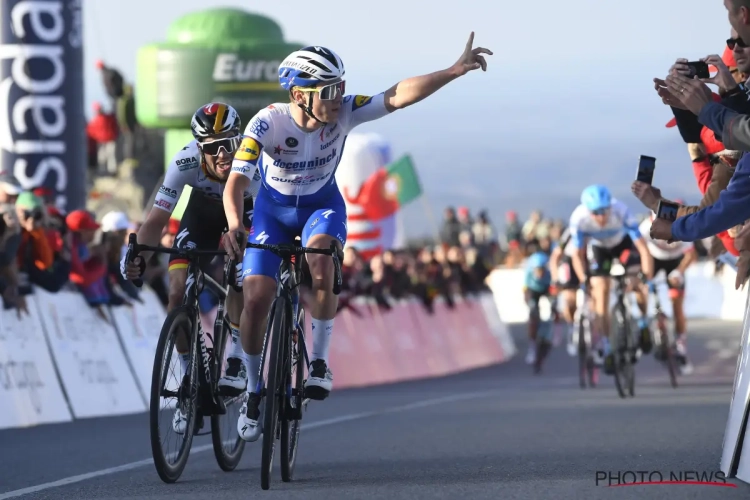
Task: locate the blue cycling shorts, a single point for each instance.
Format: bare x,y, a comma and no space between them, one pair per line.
274,224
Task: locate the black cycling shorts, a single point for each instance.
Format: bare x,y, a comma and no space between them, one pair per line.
600,258
202,225
668,266
568,279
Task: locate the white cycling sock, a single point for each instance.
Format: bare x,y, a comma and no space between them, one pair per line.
236,349
321,330
252,366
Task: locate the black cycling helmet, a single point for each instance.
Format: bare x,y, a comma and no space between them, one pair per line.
213,119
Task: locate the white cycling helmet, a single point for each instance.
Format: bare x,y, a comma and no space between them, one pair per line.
309,66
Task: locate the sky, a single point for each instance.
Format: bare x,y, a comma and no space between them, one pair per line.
567,99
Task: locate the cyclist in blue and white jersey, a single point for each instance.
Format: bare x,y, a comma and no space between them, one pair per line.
603,229
297,146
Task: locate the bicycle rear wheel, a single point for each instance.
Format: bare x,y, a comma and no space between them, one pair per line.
275,390
184,390
290,423
668,350
228,446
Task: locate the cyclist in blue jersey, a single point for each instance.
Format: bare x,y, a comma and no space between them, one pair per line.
536,284
602,230
297,146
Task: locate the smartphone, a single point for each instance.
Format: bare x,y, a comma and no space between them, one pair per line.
667,210
699,69
646,166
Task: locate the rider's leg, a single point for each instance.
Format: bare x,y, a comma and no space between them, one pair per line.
600,296
569,309
322,227
677,294
177,277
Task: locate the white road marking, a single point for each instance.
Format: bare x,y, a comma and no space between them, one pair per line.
198,449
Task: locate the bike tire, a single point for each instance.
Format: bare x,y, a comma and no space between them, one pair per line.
583,353
618,350
274,403
291,427
227,459
167,472
669,355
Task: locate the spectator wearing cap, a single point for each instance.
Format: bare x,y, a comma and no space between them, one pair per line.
116,228
37,262
88,268
449,233
466,222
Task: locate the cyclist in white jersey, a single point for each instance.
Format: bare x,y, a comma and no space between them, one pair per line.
203,164
566,282
674,259
298,146
603,229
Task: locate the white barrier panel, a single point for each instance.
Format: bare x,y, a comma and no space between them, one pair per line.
706,296
30,391
497,327
89,357
139,328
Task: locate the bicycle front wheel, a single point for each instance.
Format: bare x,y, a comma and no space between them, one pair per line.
228,446
294,370
624,372
170,391
275,390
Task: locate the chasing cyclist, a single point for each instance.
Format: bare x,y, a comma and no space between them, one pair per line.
674,259
566,283
536,284
612,233
204,164
297,146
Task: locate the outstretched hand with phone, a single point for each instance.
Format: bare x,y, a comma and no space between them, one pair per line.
646,194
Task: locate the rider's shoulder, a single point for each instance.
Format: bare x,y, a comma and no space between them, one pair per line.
187,158
578,214
355,101
267,117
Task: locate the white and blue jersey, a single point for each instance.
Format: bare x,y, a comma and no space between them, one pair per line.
298,193
620,223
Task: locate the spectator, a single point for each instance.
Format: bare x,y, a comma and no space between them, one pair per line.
116,229
88,261
484,233
103,129
10,239
449,235
128,123
466,223
112,81
43,260
10,188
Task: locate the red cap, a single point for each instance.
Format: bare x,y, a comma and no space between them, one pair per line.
43,192
462,211
80,220
728,58
99,64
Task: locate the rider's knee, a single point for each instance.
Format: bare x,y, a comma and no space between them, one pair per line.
258,293
321,272
176,293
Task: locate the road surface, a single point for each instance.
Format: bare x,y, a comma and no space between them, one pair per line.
497,432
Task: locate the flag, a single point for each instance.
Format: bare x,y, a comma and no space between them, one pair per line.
404,180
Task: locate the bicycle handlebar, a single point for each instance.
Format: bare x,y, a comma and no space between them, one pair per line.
283,251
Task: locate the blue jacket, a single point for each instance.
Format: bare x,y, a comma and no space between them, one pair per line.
733,206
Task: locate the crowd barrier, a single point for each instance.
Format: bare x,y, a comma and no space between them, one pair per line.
706,296
64,361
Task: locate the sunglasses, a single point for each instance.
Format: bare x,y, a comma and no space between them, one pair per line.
731,42
329,92
601,211
229,144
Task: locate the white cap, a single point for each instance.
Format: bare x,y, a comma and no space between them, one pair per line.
115,221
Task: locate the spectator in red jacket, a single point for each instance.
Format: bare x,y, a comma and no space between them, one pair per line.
104,130
88,261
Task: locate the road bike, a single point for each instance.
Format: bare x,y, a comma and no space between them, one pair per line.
622,342
287,360
197,394
588,372
665,350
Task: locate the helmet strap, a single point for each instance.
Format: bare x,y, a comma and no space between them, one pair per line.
308,109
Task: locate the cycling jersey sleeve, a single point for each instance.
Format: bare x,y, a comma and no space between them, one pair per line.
576,236
359,109
257,132
179,172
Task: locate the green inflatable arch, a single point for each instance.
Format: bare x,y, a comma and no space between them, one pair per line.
227,55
